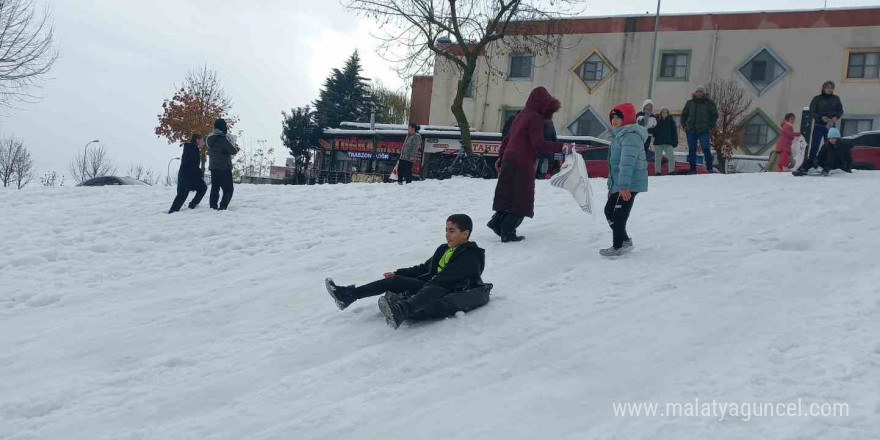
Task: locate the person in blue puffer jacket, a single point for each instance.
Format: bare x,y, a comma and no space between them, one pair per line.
627,176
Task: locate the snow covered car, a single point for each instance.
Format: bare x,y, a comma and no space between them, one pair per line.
112,181
866,150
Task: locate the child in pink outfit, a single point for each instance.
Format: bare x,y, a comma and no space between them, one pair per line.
785,140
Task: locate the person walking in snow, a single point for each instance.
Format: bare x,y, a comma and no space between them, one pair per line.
698,119
220,150
448,282
825,109
190,177
627,177
515,190
665,141
646,118
787,135
409,153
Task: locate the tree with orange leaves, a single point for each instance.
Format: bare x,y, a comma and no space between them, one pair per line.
194,108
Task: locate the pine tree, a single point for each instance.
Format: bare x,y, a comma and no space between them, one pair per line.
346,96
298,130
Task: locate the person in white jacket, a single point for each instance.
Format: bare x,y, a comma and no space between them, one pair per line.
646,118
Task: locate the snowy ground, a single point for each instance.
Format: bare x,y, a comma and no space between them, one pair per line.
118,321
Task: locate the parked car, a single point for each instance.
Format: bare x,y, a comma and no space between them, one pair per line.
866,150
112,181
596,158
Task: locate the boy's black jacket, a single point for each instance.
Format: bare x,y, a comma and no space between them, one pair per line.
462,272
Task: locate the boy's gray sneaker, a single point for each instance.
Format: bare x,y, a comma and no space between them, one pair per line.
611,252
627,245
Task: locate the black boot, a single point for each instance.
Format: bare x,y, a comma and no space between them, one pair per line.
495,223
341,294
395,310
508,228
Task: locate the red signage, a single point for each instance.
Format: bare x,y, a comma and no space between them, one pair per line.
486,148
366,145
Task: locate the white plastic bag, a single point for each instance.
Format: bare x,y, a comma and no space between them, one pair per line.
573,178
798,151
393,176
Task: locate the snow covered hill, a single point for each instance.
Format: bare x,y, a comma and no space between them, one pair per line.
118,321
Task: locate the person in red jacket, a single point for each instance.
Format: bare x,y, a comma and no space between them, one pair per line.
515,191
786,138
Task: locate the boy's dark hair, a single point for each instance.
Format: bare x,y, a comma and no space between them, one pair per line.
195,137
414,126
828,83
789,116
463,221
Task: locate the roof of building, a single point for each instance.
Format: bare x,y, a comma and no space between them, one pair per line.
792,19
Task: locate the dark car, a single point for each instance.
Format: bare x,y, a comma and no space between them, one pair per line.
112,181
866,150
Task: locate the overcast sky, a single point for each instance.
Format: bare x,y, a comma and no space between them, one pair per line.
120,59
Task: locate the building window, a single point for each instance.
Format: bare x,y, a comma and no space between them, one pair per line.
851,126
763,70
520,66
863,64
674,65
588,123
594,70
758,133
507,113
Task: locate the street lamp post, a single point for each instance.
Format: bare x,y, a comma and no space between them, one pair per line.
168,170
85,154
654,51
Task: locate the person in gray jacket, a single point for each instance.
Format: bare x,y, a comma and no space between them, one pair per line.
220,152
409,153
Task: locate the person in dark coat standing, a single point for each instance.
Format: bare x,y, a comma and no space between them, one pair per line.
825,109
190,176
220,152
447,283
698,119
515,191
665,141
409,153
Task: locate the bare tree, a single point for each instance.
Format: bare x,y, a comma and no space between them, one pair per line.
392,106
94,164
26,53
733,101
52,179
7,160
144,174
415,33
23,166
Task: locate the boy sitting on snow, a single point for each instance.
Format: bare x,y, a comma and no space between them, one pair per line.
836,153
447,283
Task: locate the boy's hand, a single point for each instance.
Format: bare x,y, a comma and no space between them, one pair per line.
625,195
388,274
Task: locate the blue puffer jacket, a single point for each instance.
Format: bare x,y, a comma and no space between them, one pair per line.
628,168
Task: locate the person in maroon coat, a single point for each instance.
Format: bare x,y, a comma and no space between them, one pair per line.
515,191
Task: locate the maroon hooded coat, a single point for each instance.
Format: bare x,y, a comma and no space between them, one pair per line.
515,192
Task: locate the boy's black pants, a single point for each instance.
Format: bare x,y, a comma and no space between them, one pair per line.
617,213
431,302
184,185
221,179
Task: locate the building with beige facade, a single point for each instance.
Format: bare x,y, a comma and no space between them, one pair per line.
782,58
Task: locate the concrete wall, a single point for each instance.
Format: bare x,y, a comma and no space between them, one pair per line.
813,55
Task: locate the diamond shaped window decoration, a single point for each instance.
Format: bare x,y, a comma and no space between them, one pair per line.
758,133
763,69
588,123
594,70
